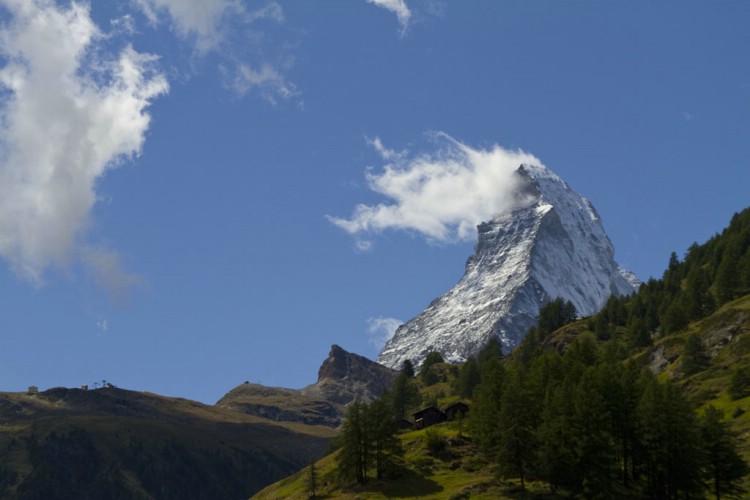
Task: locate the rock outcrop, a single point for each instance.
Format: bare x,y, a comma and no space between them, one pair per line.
342,378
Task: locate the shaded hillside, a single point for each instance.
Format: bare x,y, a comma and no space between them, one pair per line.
114,443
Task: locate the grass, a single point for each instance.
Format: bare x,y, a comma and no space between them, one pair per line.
458,471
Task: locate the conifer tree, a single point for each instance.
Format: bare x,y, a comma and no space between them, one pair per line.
694,356
312,481
592,428
739,385
407,368
351,458
425,372
386,446
669,442
468,378
723,466
517,449
492,350
558,464
483,418
403,395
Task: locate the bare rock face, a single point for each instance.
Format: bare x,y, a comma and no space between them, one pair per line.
344,377
550,245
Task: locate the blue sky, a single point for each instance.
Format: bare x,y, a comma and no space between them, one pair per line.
179,179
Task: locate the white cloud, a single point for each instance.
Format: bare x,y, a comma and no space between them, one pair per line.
266,79
363,245
399,8
226,28
380,330
68,114
201,19
443,195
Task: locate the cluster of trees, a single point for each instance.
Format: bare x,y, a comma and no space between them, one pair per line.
369,443
711,275
596,426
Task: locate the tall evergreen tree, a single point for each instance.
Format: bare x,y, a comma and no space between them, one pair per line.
669,442
386,446
351,458
558,462
492,350
483,417
517,449
724,467
407,368
312,481
694,357
468,378
595,447
426,373
404,395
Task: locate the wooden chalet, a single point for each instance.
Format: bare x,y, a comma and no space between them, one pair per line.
404,424
428,416
458,409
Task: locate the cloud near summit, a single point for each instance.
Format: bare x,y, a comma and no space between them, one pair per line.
442,195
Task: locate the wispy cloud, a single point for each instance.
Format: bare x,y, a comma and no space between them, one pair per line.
227,28
202,20
266,80
398,7
69,112
381,329
443,195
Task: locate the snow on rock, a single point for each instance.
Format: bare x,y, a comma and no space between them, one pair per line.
551,245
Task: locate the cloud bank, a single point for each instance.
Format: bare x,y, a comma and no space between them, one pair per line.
398,7
442,196
69,112
381,329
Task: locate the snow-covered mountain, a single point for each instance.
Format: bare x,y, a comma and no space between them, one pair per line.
552,244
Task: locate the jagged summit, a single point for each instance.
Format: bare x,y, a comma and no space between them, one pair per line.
550,244
344,377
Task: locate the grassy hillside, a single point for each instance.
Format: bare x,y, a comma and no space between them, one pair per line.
452,468
113,443
444,461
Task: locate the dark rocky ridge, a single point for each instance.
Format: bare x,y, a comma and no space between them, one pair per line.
342,378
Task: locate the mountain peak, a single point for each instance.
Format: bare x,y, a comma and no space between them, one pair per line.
345,376
550,244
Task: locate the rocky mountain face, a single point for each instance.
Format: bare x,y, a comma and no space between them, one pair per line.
342,378
550,245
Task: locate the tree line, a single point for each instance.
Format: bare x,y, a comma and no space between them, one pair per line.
593,423
709,276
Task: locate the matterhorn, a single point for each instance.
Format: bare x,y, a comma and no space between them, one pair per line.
550,245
